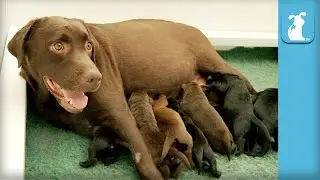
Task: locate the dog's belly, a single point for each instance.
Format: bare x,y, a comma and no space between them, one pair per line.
160,67
159,77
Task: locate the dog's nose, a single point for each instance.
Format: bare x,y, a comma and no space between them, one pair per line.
92,79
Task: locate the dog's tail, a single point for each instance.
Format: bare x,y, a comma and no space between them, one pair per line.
174,151
263,127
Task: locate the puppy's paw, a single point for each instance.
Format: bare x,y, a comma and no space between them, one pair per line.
198,158
88,163
208,155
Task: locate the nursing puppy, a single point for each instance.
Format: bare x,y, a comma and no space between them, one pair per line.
237,108
195,104
171,124
202,152
266,109
165,157
105,147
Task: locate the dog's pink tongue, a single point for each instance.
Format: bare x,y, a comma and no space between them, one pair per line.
77,99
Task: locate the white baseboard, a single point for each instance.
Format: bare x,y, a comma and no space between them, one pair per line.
225,40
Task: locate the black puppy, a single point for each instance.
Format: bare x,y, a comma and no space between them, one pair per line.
266,109
203,155
236,107
105,147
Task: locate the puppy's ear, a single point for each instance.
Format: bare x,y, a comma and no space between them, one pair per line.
291,17
93,40
16,45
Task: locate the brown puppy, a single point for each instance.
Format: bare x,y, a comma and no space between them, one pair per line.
166,157
171,124
99,64
195,104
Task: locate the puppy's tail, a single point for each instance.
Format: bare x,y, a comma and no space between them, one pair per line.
174,151
263,127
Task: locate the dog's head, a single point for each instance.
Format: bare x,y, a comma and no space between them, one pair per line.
59,55
298,21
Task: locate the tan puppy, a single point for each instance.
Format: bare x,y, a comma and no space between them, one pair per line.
167,158
195,104
171,123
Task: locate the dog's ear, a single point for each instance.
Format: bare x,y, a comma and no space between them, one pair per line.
93,40
16,45
303,14
291,17
32,83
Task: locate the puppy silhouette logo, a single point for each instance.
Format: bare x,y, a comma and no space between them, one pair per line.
295,30
299,28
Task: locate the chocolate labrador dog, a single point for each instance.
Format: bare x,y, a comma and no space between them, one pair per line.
89,68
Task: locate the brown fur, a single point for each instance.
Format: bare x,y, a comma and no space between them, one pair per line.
195,104
130,55
139,103
162,152
171,124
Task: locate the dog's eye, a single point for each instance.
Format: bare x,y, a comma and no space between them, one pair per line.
58,46
89,46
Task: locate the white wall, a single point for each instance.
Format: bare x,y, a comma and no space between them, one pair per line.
223,15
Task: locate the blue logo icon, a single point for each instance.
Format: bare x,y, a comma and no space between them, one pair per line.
297,27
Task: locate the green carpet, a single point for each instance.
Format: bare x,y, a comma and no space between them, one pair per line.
53,153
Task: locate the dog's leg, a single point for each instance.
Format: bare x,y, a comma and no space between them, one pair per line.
92,159
201,149
128,130
263,128
240,146
119,117
209,156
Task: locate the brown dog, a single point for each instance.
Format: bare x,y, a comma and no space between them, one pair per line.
195,105
158,143
98,64
171,124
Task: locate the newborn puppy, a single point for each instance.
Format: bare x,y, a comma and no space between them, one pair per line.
237,108
171,124
105,147
266,109
195,104
164,155
203,154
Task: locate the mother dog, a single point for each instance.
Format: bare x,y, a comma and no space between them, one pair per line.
92,67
